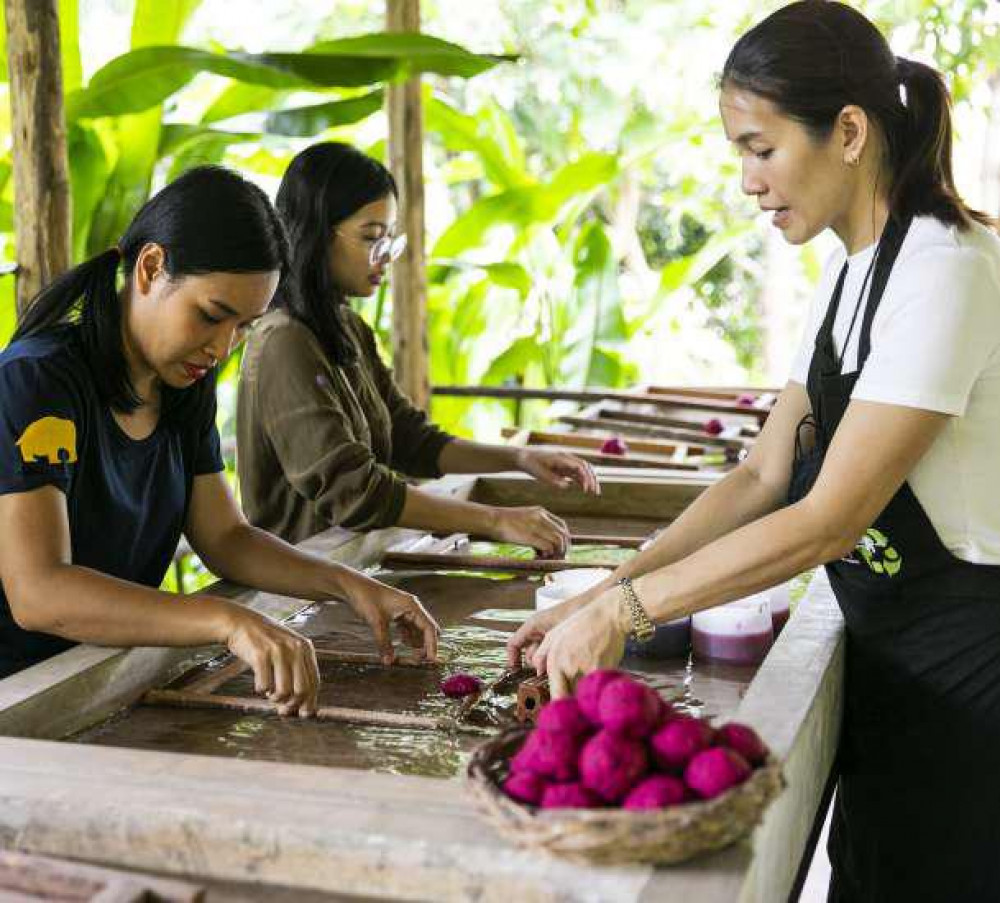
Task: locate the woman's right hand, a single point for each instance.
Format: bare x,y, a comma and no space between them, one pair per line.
532,526
523,644
283,661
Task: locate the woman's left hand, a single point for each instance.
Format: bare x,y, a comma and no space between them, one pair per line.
558,469
592,638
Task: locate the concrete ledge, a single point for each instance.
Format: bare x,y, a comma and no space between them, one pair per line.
795,703
321,828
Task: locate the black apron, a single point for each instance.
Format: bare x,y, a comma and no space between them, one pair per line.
917,812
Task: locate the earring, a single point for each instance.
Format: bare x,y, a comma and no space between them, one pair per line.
853,161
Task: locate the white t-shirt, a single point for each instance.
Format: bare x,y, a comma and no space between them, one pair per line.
935,344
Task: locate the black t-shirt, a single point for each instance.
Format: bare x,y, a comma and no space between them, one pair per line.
127,499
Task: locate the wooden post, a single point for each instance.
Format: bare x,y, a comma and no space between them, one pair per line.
409,277
42,213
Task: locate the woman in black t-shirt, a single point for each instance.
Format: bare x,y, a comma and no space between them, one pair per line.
109,452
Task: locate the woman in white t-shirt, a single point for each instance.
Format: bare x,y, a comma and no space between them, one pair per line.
878,460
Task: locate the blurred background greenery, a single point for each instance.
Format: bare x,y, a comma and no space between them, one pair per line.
585,221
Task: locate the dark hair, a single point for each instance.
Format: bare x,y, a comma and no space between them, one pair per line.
814,57
209,220
324,185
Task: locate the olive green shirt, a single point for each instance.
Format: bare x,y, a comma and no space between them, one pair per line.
320,444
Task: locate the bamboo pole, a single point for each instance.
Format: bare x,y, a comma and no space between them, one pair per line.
42,212
340,657
452,562
254,706
409,279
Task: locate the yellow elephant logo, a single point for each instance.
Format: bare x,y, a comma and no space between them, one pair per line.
50,440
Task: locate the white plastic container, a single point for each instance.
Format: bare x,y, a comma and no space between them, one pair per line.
562,585
739,632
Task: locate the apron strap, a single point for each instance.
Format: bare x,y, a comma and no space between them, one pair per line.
888,250
825,332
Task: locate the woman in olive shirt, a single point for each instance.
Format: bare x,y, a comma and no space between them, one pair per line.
324,432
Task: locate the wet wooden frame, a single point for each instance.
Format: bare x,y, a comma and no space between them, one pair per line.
672,398
199,690
643,454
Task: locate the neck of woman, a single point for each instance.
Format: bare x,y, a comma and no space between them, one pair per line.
141,375
864,219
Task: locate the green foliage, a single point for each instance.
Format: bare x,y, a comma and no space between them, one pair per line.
147,76
304,122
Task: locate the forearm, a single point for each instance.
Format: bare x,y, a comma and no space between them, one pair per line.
253,557
736,500
444,514
462,456
89,607
759,555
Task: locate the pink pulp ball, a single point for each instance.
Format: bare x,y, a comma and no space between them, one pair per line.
569,796
563,716
589,689
614,446
611,765
525,787
456,686
744,740
714,426
656,792
714,771
678,740
551,755
629,708
746,400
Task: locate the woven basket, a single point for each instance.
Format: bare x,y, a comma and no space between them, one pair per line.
617,836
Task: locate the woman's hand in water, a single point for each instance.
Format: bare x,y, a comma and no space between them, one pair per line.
283,661
556,468
384,607
533,526
590,638
524,643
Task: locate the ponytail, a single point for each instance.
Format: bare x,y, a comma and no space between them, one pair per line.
87,295
920,151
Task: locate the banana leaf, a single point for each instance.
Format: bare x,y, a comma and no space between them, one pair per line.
147,76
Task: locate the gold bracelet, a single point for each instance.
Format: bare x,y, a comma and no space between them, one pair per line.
642,626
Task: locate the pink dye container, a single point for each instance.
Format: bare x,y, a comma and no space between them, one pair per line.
741,632
781,601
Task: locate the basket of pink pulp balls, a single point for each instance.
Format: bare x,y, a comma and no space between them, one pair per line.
614,774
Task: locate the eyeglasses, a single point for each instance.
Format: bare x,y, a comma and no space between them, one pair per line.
388,249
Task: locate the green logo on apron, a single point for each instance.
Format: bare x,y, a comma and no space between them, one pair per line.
880,557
